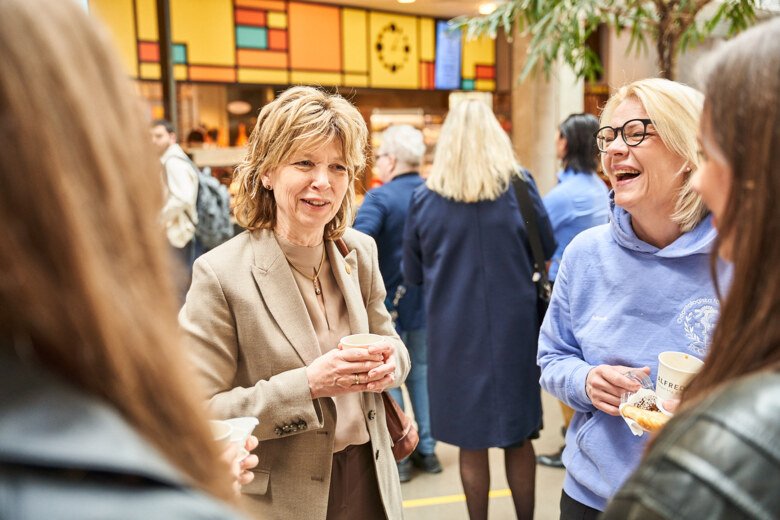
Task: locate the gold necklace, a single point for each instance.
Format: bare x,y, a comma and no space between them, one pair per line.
315,279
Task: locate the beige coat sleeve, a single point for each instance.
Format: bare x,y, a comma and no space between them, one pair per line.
211,333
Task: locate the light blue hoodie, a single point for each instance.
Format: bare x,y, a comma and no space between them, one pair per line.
620,301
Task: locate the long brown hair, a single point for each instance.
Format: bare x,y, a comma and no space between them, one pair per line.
747,337
84,270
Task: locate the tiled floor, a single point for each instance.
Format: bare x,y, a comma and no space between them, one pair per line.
434,497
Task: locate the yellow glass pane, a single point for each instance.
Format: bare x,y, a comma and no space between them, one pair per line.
354,26
393,48
485,84
180,72
263,76
277,20
146,14
479,51
356,80
150,71
118,16
427,39
315,78
206,26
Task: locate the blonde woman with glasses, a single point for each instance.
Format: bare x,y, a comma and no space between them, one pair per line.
628,290
718,458
466,243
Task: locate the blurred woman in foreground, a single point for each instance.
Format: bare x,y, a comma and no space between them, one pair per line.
718,458
97,413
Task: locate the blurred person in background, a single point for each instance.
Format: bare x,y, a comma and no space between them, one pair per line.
382,216
466,243
266,311
579,201
180,178
98,414
629,290
718,457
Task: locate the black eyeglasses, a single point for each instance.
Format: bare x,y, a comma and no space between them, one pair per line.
633,132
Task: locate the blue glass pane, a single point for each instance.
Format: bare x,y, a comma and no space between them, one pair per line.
251,37
447,75
179,53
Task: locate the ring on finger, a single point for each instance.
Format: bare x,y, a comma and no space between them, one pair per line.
356,380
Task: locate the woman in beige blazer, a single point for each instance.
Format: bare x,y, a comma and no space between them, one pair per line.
266,311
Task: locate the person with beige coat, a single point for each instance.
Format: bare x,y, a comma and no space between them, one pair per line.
266,310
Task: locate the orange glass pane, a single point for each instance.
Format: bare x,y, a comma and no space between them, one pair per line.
149,51
221,74
277,39
486,72
315,37
265,59
272,5
249,17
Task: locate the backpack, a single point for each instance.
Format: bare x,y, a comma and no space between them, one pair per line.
213,207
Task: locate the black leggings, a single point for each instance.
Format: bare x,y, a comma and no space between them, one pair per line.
573,510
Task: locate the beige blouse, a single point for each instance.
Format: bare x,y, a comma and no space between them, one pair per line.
329,316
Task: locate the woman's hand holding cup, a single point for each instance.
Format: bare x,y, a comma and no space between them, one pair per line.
378,378
342,371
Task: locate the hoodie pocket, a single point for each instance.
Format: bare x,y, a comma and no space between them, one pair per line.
606,454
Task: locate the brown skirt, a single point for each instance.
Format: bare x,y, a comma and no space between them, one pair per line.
354,490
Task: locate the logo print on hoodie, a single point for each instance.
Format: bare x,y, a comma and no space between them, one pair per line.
698,319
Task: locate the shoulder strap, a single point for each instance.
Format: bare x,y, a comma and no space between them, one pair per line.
342,246
531,225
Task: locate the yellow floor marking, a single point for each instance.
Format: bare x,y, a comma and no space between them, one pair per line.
451,499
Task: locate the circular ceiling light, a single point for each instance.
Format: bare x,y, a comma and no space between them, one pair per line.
406,1
239,108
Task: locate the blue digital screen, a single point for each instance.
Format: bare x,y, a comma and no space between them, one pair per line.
447,71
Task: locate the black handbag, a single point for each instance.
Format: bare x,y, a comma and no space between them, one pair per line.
543,285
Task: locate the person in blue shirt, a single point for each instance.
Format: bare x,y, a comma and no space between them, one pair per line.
382,216
579,201
631,289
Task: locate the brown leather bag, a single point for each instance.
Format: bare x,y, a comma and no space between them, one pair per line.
402,431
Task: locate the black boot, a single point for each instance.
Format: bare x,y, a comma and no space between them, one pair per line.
552,460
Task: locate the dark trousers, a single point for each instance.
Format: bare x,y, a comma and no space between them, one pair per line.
573,510
354,490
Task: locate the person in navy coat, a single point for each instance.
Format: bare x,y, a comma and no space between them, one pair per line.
382,216
466,243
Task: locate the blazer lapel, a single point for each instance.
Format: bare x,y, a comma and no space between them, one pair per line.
345,271
281,295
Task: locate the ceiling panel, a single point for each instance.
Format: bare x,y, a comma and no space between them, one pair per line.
437,8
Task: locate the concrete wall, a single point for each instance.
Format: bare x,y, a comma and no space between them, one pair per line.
539,104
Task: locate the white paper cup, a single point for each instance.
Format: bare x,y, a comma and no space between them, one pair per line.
675,369
220,430
242,427
361,340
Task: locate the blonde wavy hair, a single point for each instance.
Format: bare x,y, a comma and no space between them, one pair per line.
675,110
474,159
301,118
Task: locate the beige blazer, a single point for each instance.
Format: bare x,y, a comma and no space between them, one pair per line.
251,338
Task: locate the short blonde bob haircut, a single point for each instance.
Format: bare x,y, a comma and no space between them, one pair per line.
675,110
301,118
474,160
